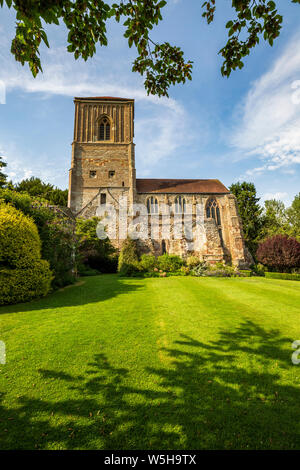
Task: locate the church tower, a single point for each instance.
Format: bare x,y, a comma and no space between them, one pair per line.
103,161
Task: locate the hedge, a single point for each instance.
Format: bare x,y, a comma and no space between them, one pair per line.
286,276
24,284
246,272
23,274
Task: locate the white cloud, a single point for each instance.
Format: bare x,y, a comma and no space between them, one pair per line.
157,135
269,118
280,196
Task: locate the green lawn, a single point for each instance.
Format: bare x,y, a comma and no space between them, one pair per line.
171,363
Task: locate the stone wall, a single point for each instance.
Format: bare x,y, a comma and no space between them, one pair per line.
105,171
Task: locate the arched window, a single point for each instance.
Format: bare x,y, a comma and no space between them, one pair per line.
213,211
180,205
104,129
152,205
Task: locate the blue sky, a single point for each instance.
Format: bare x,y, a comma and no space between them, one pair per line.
246,127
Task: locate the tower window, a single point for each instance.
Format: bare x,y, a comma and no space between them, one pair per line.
213,211
152,205
123,184
111,174
104,129
179,205
103,198
93,174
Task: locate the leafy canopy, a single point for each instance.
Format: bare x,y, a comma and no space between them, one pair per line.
161,64
35,187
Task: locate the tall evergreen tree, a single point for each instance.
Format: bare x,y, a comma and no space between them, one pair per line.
2,175
250,212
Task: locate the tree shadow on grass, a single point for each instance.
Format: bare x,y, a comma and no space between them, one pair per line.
92,290
236,392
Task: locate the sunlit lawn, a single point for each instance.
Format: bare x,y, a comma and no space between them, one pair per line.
171,363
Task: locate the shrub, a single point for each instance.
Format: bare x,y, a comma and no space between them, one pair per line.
23,274
185,270
222,270
192,261
94,253
128,263
286,276
258,269
200,269
169,263
148,263
279,253
20,243
56,232
246,272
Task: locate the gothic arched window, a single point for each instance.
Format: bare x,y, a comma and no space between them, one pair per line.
213,211
180,205
104,129
152,205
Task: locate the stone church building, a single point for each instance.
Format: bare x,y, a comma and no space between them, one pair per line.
103,170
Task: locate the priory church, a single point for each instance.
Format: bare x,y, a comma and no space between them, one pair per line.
103,171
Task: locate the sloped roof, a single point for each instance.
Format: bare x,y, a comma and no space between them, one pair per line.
103,98
180,186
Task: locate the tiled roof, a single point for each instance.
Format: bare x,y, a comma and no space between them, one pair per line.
180,186
104,98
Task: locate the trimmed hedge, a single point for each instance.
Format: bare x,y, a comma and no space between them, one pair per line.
245,272
286,276
23,274
56,232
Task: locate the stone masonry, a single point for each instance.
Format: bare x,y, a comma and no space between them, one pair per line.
103,171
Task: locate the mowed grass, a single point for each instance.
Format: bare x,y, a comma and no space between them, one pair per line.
173,363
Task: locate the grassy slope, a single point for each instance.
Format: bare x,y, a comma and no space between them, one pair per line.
153,364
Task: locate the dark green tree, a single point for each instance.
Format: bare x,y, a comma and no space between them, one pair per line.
162,64
2,175
36,188
250,212
293,215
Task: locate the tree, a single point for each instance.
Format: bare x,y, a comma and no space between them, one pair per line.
293,215
280,253
275,218
36,188
162,64
250,212
2,175
93,252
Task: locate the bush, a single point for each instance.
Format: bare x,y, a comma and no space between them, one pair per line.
200,269
148,263
192,262
169,263
23,274
280,253
20,243
258,269
245,272
56,232
286,276
92,252
128,263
